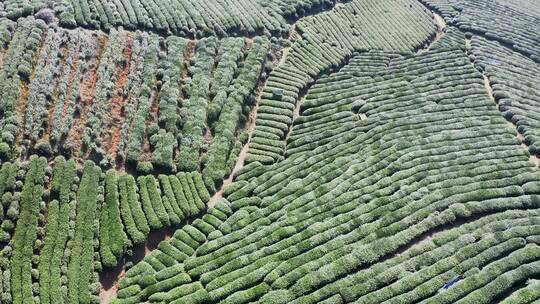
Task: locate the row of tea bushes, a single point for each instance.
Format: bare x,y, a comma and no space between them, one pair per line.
158,203
400,26
194,108
18,62
11,183
81,275
41,88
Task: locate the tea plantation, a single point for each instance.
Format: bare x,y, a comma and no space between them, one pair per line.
272,152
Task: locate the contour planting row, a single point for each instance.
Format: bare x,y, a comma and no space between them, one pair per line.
128,97
57,237
413,156
181,17
400,26
515,87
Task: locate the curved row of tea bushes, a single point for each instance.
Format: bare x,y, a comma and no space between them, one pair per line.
160,276
446,8
158,203
400,26
365,64
51,258
131,210
230,54
155,211
18,64
22,264
427,150
67,231
181,17
514,24
352,91
111,237
511,76
527,294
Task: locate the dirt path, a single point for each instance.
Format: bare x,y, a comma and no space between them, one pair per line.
115,118
69,89
87,89
243,152
110,278
441,31
56,91
188,53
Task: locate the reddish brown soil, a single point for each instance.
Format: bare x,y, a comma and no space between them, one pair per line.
52,106
146,152
154,109
248,43
71,80
188,53
2,57
109,282
87,89
110,278
21,108
115,118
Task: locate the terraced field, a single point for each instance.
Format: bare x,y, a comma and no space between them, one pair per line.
361,151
